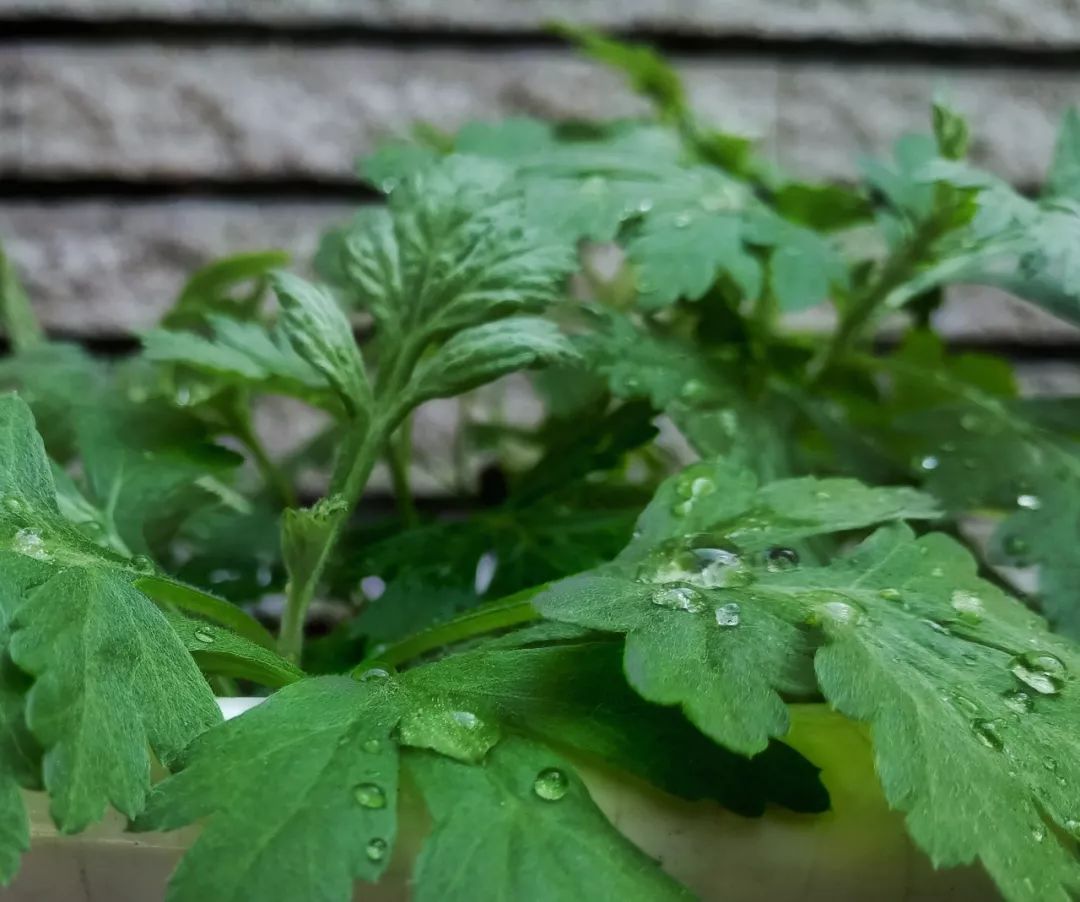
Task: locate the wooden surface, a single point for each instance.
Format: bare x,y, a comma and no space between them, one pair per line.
138,138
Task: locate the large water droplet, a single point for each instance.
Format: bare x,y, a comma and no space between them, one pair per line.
204,635
692,488
779,558
929,462
375,849
988,733
703,563
372,746
680,598
837,613
890,594
30,543
373,674
370,795
1018,701
1040,671
551,784
728,615
968,605
1029,502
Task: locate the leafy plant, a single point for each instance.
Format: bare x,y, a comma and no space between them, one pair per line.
599,593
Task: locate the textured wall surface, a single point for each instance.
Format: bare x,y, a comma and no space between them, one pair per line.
138,138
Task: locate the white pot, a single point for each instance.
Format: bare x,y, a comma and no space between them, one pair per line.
857,851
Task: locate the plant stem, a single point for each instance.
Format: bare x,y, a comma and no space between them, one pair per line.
398,454
273,477
498,615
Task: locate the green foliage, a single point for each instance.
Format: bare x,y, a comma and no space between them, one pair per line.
687,519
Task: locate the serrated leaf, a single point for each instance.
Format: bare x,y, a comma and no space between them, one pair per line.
481,354
950,131
301,823
543,849
320,332
240,353
187,598
454,249
211,289
305,532
708,528
111,679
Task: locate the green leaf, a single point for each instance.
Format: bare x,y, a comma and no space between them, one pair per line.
211,289
112,680
803,267
679,255
305,532
187,598
317,812
221,651
950,131
1064,177
573,694
482,354
321,334
647,72
20,324
496,838
454,249
712,528
239,353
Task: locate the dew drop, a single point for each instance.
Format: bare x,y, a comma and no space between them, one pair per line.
465,719
728,615
1038,833
1029,502
370,795
890,594
987,732
779,558
704,565
373,587
1039,671
937,572
376,849
29,542
936,627
645,205
929,462
374,674
14,504
969,422
142,564
680,598
1072,827
968,605
204,635
694,390
551,784
1018,701
682,220
839,613
372,746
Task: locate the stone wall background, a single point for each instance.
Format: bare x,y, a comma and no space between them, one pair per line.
138,138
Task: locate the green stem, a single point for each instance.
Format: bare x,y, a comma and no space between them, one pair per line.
895,271
271,474
398,454
513,610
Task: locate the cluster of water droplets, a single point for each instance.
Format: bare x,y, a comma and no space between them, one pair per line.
28,541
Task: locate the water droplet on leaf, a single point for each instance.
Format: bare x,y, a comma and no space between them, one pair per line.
1072,827
701,562
838,613
780,558
937,627
29,542
728,615
680,598
466,719
987,732
1039,671
682,220
929,462
204,635
370,795
968,605
142,564
1038,833
376,849
551,784
373,673
1029,502
1018,701
14,504
890,594
372,746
